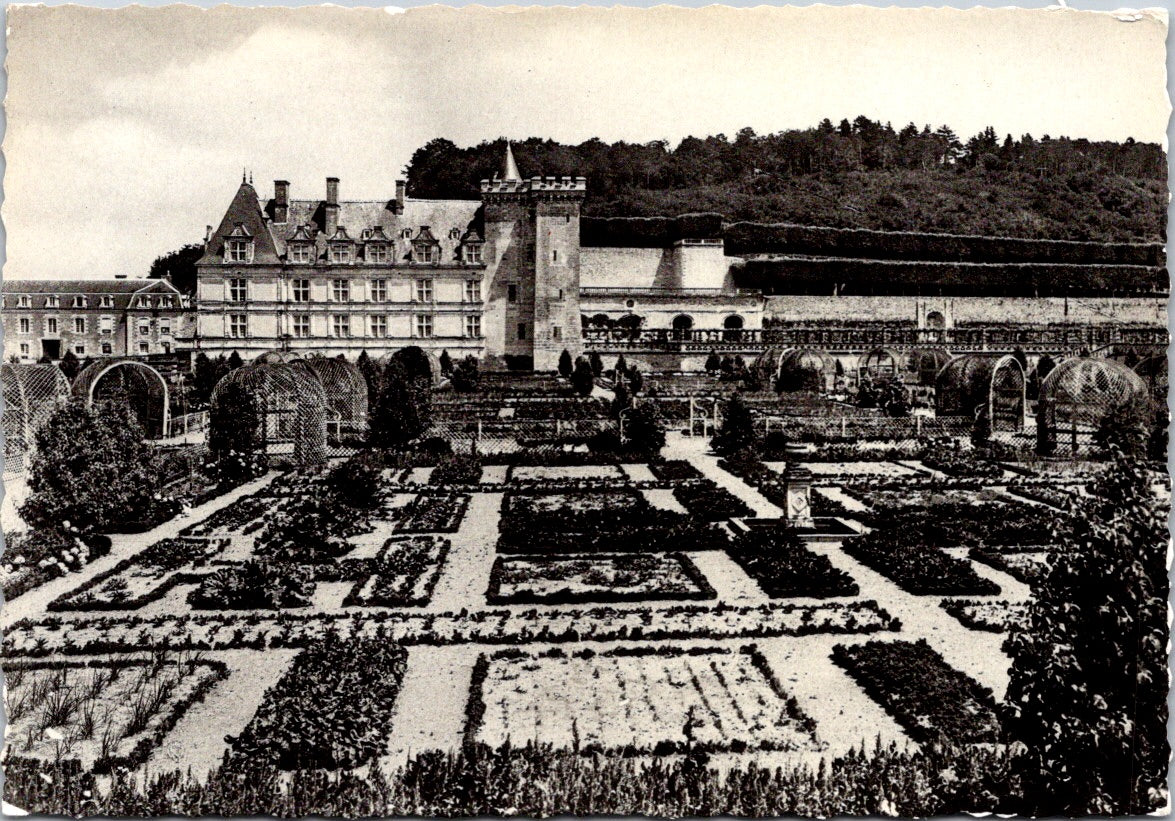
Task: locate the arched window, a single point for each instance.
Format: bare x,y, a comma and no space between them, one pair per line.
732,328
682,325
936,321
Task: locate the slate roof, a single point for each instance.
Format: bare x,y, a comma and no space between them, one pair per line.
121,289
451,222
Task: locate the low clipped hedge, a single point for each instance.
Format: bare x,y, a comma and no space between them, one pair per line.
932,701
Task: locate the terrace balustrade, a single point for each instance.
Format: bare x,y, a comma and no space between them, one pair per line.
1037,339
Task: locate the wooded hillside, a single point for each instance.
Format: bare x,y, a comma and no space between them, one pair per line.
862,174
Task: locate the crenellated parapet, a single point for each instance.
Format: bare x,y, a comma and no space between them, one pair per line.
575,186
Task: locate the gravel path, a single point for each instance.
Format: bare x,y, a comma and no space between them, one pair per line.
197,741
730,582
430,708
466,574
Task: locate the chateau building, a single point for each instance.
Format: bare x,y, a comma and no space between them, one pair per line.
496,277
91,318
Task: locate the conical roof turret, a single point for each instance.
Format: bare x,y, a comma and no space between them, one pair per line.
510,171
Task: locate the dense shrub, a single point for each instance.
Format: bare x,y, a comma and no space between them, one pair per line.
934,702
1088,688
332,709
356,482
783,566
94,471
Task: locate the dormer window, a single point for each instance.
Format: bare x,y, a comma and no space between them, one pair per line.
471,252
425,247
377,253
239,250
340,253
300,252
340,247
80,302
238,245
52,302
24,302
107,302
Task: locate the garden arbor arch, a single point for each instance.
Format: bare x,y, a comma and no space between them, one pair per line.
145,388
924,365
806,369
345,389
1078,396
31,393
291,407
879,363
983,385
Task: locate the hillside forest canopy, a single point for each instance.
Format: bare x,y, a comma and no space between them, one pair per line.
859,174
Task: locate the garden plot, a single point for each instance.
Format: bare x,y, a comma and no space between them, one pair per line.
141,579
636,700
896,499
404,573
105,713
566,579
563,473
991,616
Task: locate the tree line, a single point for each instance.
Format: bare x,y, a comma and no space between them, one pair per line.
863,174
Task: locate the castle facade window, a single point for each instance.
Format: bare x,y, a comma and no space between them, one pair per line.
302,326
379,290
300,290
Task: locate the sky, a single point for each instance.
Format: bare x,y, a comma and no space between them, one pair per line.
127,130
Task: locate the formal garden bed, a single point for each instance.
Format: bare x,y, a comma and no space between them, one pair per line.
707,501
144,577
332,708
598,521
433,513
596,578
783,567
456,470
674,470
563,473
404,573
105,713
917,567
987,615
644,700
1027,565
932,701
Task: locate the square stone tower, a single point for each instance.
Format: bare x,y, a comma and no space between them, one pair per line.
532,231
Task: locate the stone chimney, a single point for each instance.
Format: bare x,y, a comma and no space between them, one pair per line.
401,191
281,201
331,210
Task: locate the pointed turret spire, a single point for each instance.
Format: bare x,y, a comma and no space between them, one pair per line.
511,166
